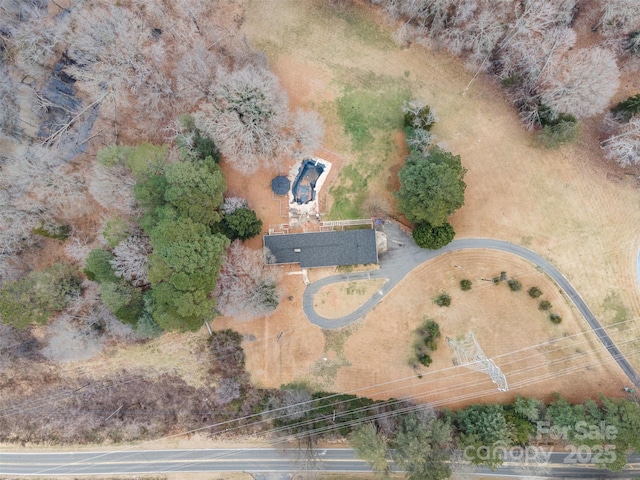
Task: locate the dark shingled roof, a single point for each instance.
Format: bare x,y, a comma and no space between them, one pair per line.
280,185
324,249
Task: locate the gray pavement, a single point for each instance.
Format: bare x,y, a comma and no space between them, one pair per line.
263,464
404,255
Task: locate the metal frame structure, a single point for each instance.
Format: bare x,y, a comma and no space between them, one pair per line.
469,354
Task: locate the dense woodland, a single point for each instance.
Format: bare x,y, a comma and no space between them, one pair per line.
81,81
115,222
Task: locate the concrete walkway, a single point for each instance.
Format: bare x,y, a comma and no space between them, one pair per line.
404,255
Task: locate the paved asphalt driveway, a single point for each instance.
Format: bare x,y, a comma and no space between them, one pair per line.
404,255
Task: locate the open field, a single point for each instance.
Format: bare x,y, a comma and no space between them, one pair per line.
340,299
564,204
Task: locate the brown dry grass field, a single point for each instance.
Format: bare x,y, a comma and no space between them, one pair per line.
565,204
340,299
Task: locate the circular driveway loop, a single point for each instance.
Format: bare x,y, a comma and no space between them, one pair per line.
404,255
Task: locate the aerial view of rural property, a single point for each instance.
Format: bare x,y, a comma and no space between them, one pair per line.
319,239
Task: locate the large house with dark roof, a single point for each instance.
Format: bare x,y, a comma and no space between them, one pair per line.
323,249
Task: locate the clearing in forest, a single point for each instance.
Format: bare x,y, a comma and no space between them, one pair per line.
562,204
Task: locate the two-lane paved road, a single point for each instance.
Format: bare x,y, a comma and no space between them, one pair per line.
404,255
256,460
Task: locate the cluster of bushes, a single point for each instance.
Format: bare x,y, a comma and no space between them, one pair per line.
431,181
534,292
426,342
187,227
415,441
34,298
53,230
335,413
122,299
130,406
544,305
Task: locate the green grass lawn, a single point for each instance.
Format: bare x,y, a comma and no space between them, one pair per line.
370,112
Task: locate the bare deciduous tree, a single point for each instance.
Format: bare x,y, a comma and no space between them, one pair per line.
526,59
231,204
195,74
296,401
78,248
619,18
112,188
582,83
246,118
131,259
246,288
476,30
105,45
308,129
227,390
25,179
9,111
624,145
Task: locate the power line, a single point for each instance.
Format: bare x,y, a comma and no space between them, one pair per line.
352,423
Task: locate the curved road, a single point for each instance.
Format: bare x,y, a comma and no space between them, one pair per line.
404,255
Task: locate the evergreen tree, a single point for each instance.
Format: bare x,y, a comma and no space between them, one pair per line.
431,186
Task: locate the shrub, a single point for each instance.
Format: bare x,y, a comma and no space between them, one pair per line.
123,301
501,278
633,43
113,155
115,231
626,109
428,236
98,266
534,292
242,223
147,326
418,115
417,138
57,231
465,285
564,131
193,145
228,357
443,300
545,305
428,334
425,359
555,318
39,295
514,285
139,159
